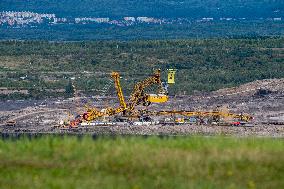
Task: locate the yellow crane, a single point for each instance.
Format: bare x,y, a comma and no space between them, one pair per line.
115,76
213,114
93,113
137,97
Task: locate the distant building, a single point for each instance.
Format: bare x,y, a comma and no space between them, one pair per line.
101,20
59,20
26,18
228,19
97,20
277,19
148,20
144,19
207,19
129,19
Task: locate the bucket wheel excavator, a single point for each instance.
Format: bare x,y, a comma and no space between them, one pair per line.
138,96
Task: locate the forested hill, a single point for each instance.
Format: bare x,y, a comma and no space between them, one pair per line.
44,68
155,8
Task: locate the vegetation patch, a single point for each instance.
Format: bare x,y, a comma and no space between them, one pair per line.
203,65
137,162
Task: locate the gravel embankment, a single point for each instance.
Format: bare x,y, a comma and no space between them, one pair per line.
257,130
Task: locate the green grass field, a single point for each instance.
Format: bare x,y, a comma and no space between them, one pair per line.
137,162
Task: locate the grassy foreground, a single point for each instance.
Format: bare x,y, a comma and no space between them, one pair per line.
136,162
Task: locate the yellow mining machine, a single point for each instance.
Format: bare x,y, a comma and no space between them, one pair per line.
140,97
93,113
211,116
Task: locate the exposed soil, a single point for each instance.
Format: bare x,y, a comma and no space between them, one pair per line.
264,100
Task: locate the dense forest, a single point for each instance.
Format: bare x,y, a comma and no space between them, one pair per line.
156,8
216,29
45,68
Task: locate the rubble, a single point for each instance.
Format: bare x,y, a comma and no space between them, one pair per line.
272,85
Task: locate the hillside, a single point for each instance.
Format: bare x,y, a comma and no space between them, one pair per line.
44,68
158,8
70,20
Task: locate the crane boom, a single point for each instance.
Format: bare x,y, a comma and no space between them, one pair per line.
115,76
138,94
136,98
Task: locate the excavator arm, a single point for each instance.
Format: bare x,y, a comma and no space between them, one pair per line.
93,113
117,85
138,94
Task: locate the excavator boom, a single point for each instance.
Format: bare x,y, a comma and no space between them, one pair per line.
139,96
117,85
136,98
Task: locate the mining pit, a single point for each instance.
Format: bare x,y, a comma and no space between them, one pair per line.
264,100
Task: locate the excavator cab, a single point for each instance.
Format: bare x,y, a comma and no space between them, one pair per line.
161,97
157,98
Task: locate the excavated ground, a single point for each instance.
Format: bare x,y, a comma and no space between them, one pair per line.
264,100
